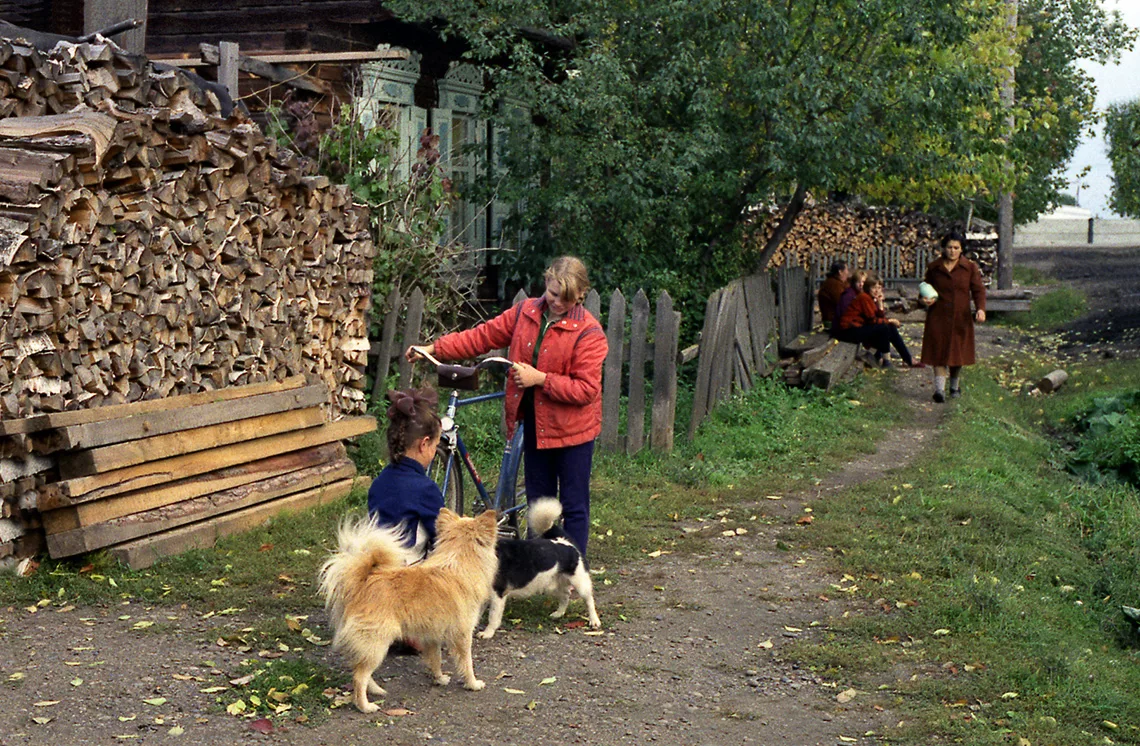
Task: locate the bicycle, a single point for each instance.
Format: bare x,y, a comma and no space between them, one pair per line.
509,500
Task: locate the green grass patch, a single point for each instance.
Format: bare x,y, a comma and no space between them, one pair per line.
771,440
1049,311
1027,276
993,577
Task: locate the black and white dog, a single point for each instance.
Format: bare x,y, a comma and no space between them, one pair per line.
547,564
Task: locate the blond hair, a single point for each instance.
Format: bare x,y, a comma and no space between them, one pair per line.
858,277
570,274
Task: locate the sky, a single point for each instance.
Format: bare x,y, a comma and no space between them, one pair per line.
1115,83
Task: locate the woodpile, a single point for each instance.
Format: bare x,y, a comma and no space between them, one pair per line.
851,230
161,476
819,361
150,247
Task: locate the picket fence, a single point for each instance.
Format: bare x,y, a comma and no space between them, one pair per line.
886,261
742,322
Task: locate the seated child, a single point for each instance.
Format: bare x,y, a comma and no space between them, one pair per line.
403,494
865,322
854,287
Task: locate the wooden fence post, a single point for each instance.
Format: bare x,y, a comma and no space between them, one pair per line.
704,364
228,67
411,333
387,344
664,374
758,301
638,341
611,373
593,303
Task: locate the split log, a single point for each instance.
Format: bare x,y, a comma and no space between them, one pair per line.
829,369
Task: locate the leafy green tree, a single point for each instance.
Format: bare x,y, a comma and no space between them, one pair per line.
656,125
1122,131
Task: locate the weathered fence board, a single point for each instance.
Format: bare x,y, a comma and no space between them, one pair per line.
611,373
387,346
593,303
664,374
635,406
704,364
412,326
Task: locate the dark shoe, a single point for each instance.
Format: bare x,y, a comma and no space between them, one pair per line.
885,364
939,397
955,393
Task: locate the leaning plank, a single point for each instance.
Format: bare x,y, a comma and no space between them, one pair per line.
704,364
39,422
172,472
212,55
89,514
95,434
143,553
827,372
148,522
74,464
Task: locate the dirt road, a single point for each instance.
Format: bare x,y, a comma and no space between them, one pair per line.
1110,279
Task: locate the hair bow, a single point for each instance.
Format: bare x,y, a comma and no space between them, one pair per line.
405,400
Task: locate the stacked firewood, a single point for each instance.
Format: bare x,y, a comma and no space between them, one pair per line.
150,247
845,228
157,477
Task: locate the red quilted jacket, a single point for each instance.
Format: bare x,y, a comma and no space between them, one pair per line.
568,407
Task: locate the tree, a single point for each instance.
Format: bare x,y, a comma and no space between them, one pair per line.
1122,131
656,129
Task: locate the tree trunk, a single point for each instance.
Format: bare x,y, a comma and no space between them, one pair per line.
783,228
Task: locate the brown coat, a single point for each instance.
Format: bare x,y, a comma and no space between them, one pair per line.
948,338
829,291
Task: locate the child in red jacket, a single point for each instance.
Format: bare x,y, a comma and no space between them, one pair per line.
865,322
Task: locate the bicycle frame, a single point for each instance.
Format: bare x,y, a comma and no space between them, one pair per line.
503,502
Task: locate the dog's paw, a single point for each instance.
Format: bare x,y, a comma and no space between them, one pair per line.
475,685
442,680
486,634
558,614
367,707
595,623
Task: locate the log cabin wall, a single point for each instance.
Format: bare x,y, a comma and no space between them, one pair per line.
149,247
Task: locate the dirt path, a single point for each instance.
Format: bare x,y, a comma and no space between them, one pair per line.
685,666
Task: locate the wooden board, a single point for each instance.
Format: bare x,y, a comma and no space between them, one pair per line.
95,434
175,470
664,375
92,461
143,553
611,374
635,404
149,522
39,422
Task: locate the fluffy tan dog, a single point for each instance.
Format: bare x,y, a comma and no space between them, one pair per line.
374,599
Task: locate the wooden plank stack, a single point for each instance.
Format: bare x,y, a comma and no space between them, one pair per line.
150,247
160,476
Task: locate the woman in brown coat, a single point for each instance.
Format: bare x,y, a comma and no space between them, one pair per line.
948,338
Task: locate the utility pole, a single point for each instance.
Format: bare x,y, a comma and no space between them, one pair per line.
1005,199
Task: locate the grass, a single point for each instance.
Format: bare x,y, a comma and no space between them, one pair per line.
987,570
1049,311
1028,276
1001,577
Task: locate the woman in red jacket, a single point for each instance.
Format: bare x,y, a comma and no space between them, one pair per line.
865,322
555,387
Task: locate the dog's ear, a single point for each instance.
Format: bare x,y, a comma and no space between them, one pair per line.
446,518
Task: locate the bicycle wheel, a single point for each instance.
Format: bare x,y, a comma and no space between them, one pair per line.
448,467
512,500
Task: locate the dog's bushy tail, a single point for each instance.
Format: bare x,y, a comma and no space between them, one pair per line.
543,513
363,547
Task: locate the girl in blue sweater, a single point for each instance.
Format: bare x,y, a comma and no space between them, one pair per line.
403,494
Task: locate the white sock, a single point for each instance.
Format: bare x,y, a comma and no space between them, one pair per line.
940,384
